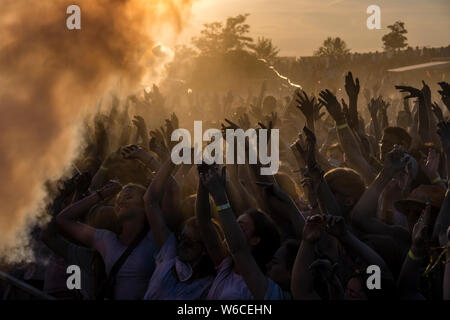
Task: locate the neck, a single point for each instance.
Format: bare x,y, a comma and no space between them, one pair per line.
130,229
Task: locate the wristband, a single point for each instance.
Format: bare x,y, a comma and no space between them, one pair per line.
223,207
102,168
412,256
342,126
436,180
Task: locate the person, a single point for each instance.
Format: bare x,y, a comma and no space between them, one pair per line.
184,270
251,239
130,281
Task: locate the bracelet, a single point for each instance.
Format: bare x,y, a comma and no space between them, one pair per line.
223,207
413,257
342,126
102,168
436,180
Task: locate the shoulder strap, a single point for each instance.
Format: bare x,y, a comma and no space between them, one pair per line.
106,288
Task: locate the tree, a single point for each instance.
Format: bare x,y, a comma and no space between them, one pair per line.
332,47
395,39
218,38
264,49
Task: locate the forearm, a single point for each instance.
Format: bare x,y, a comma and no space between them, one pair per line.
367,204
77,210
424,126
376,127
353,153
155,219
233,233
447,277
327,201
155,191
150,162
359,249
409,278
202,206
302,283
443,219
240,199
100,178
353,111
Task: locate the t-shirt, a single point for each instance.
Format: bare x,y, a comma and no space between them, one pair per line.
274,292
228,285
133,277
172,278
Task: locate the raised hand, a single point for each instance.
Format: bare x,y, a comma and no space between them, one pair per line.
444,134
140,124
396,160
336,226
133,152
244,121
373,107
325,268
328,99
110,190
82,182
157,143
413,92
445,93
422,231
352,87
269,122
437,111
306,147
256,112
215,181
313,228
426,91
430,164
170,126
309,107
273,190
229,125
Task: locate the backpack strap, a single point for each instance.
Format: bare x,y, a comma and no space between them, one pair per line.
107,287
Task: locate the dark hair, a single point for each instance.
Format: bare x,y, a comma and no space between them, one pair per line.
400,133
266,230
291,246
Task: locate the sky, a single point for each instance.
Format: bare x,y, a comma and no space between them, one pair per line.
298,27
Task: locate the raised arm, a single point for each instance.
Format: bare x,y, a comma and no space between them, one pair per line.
346,137
364,212
212,241
352,88
68,219
152,201
336,227
409,278
242,256
302,283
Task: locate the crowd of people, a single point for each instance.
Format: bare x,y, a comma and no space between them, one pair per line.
356,188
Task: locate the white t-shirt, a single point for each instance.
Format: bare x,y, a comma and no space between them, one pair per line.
228,285
166,285
133,277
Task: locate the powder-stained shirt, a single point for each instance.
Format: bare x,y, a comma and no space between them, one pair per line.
165,283
133,277
228,285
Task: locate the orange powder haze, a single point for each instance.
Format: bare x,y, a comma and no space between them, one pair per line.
50,77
